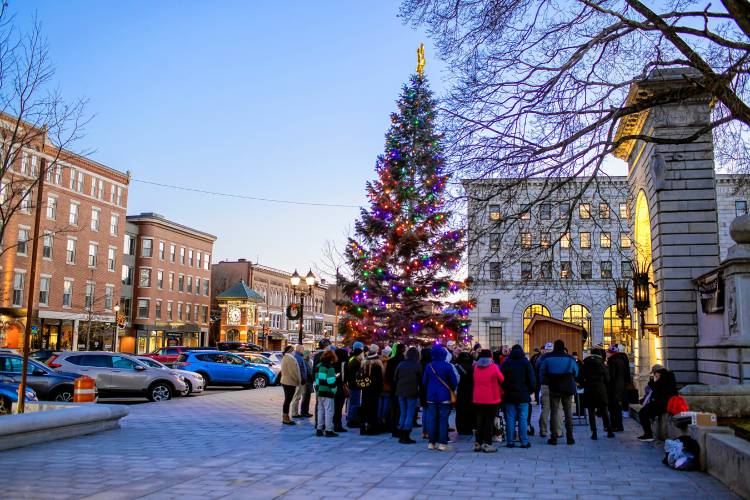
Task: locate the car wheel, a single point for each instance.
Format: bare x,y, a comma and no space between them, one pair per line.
160,391
63,394
188,388
206,379
5,405
259,381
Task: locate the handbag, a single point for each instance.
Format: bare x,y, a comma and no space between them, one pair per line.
453,393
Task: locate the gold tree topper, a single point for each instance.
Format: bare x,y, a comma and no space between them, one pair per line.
420,59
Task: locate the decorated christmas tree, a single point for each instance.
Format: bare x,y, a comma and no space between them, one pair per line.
404,252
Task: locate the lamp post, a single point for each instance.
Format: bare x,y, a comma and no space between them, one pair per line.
641,302
116,328
310,282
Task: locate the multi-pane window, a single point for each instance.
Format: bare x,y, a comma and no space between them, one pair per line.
143,308
23,241
182,255
89,298
181,283
18,282
190,257
129,244
157,312
114,223
605,240
51,207
207,262
161,250
189,284
623,211
566,270
109,294
545,211
545,240
624,240
111,257
118,196
25,205
73,217
95,219
584,210
526,270
171,282
171,253
495,270
204,311
160,279
197,286
25,164
100,190
603,211
78,182
740,208
127,275
58,175
585,239
147,247
47,244
206,287
626,271
565,240
67,293
179,311
70,251
93,247
144,277
494,305
188,312
494,241
170,316
525,240
545,269
585,269
198,260
605,269
495,213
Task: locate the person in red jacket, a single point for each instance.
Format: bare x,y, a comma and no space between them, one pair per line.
487,397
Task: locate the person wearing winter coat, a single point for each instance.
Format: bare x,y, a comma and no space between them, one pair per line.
370,381
594,379
290,380
341,390
439,380
406,382
325,384
560,370
518,385
618,366
299,393
396,356
663,387
465,418
425,358
355,393
486,396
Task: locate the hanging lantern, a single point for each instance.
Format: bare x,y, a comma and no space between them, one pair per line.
640,291
621,293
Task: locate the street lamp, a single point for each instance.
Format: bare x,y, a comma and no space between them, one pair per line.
310,282
621,305
117,327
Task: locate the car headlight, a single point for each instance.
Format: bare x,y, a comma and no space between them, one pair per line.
180,378
30,395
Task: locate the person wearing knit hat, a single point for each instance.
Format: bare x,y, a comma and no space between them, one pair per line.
560,370
358,345
370,381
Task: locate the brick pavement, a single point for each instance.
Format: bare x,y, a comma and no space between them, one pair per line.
232,445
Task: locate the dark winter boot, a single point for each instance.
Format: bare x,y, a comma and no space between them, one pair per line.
406,438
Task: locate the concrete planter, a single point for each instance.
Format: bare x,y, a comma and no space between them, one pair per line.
45,422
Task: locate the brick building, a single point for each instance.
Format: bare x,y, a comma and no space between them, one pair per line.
171,284
82,222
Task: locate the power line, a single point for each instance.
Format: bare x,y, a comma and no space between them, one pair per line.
245,197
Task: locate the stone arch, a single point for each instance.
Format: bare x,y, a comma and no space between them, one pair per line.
580,315
526,315
643,250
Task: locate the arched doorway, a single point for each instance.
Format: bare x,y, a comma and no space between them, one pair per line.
529,313
613,327
233,335
644,260
580,315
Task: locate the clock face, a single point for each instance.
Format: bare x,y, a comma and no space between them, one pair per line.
234,315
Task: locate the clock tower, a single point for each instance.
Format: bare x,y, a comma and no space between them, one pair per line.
239,317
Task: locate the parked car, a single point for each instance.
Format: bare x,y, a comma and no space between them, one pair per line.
259,359
9,395
223,368
42,355
119,374
167,355
274,356
48,384
238,346
193,381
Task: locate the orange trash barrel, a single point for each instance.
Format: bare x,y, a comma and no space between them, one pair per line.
84,390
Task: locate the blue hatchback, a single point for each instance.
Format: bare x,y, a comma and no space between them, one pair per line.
223,368
9,394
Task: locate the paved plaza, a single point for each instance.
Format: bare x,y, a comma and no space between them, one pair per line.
232,445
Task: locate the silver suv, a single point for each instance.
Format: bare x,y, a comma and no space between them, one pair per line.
119,374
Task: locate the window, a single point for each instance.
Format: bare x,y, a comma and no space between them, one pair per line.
18,281
67,293
545,211
70,251
494,241
25,205
147,245
585,240
740,208
584,211
171,253
188,312
157,312
525,240
129,245
605,269
58,175
93,247
125,306
127,275
51,207
206,287
123,363
182,255
579,315
144,277
614,326
118,197
625,270
545,270
114,223
206,262
603,211
44,291
494,305
565,240
495,334
179,311
111,251
95,219
190,258
25,164
47,244
109,294
197,286
495,271
181,283
624,240
605,240
528,315
72,179
170,316
73,217
89,303
171,282
23,241
34,165
566,270
585,269
545,240
495,213
204,311
100,190
198,260
160,279
623,211
161,250
142,308
526,270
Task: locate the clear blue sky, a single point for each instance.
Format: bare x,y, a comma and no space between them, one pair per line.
276,99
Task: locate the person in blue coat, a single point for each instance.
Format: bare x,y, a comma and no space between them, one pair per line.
560,370
439,380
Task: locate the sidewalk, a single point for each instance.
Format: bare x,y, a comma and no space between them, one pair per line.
233,445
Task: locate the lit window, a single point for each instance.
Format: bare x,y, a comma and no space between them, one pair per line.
579,315
526,215
603,211
585,240
605,240
545,240
584,211
565,240
495,213
526,240
566,270
623,211
624,240
614,326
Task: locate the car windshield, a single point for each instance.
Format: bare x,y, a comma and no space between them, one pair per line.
150,362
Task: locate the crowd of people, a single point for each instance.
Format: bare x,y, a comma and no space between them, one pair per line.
384,389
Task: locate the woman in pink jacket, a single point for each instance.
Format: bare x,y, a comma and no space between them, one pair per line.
487,397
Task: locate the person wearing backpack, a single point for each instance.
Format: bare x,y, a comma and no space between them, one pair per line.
560,371
369,380
440,381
